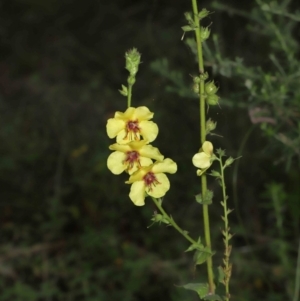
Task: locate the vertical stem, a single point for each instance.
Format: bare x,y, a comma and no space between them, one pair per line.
226,235
129,95
202,139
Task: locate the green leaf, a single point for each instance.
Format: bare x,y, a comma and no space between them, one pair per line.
221,274
199,198
212,298
207,200
215,173
200,288
197,246
187,28
208,197
201,256
124,91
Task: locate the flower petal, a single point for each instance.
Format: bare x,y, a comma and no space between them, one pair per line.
128,114
151,152
120,147
160,188
167,165
149,130
114,126
138,175
143,162
143,113
115,162
201,160
207,148
137,193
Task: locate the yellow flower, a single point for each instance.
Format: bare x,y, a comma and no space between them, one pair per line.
203,159
131,125
131,156
151,180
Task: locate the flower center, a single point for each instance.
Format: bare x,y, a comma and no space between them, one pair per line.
150,179
132,157
132,130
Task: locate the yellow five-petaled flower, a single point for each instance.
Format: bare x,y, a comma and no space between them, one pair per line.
131,125
204,158
131,156
151,180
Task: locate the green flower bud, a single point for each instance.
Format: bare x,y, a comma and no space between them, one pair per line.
188,17
158,218
210,126
133,58
210,88
228,162
205,32
204,13
212,100
196,79
204,76
131,80
196,88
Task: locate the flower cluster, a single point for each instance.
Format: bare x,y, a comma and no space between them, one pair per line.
134,155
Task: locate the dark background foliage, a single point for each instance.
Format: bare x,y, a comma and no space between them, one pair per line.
68,228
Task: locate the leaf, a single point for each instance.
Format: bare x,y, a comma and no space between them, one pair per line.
215,173
201,256
208,197
212,298
200,288
221,274
187,28
197,246
207,200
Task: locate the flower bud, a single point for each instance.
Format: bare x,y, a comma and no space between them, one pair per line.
210,126
205,32
204,76
196,88
188,17
131,80
204,13
212,100
228,162
133,58
196,79
210,88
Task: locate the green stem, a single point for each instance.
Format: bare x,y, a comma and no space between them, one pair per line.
202,139
129,95
172,222
226,234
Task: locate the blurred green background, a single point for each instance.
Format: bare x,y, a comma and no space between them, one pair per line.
68,228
